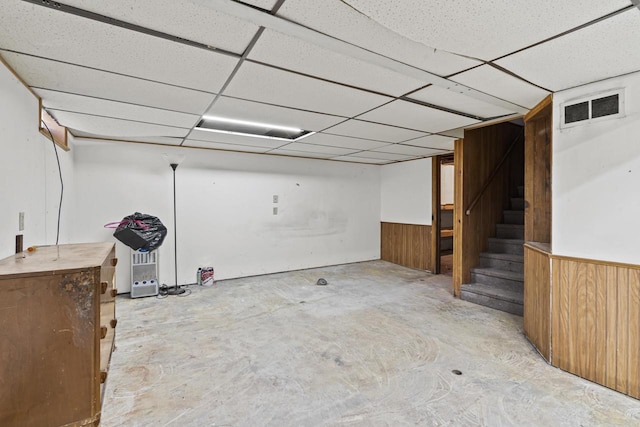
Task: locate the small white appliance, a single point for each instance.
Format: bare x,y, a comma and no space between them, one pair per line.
144,274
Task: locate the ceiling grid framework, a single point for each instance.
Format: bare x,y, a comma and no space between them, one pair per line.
375,81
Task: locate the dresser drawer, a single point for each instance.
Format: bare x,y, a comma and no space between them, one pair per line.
108,289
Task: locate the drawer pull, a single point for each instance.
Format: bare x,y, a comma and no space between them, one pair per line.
114,292
114,261
103,332
103,287
113,323
103,376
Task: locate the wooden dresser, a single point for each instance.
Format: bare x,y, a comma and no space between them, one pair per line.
57,329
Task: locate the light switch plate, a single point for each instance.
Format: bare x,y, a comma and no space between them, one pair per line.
21,221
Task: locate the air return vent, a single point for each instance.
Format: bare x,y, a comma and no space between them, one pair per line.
592,108
247,128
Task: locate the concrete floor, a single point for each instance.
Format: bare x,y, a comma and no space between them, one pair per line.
376,347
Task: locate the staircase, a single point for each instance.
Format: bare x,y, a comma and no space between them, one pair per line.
498,281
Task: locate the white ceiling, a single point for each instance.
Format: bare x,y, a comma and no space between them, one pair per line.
298,55
483,29
147,71
180,18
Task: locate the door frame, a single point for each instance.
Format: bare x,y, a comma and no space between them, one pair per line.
436,203
435,214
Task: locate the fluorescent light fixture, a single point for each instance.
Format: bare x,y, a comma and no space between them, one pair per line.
250,123
252,135
249,128
304,136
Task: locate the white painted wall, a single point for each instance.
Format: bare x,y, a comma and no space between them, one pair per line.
29,179
446,184
329,212
405,190
596,180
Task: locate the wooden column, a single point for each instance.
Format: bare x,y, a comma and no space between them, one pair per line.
537,183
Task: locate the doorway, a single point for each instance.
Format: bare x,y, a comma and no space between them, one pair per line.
443,209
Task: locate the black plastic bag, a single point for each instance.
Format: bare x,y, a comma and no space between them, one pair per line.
141,231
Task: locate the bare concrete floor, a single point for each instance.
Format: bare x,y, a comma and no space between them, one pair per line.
376,347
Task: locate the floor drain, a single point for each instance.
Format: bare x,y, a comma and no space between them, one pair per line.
456,372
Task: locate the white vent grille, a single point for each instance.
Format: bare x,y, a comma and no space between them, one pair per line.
592,108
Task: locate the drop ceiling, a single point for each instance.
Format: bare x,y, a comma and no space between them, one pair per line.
374,81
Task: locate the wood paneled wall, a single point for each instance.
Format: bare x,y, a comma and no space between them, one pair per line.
406,244
537,184
537,298
475,159
596,322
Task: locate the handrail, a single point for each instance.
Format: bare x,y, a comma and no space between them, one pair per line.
493,175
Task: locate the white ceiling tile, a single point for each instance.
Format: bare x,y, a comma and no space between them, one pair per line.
284,152
226,138
115,128
383,156
262,4
184,19
165,140
483,29
266,84
433,141
414,116
361,160
44,32
343,141
454,133
41,73
502,85
376,131
338,19
409,150
100,107
606,49
222,146
319,149
294,54
455,101
264,113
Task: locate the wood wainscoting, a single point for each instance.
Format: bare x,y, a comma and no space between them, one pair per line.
596,322
584,317
406,244
537,297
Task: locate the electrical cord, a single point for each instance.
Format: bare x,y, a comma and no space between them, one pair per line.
55,149
163,292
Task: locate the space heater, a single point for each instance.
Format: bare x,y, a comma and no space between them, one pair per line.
144,274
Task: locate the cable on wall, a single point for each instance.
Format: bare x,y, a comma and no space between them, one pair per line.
55,149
